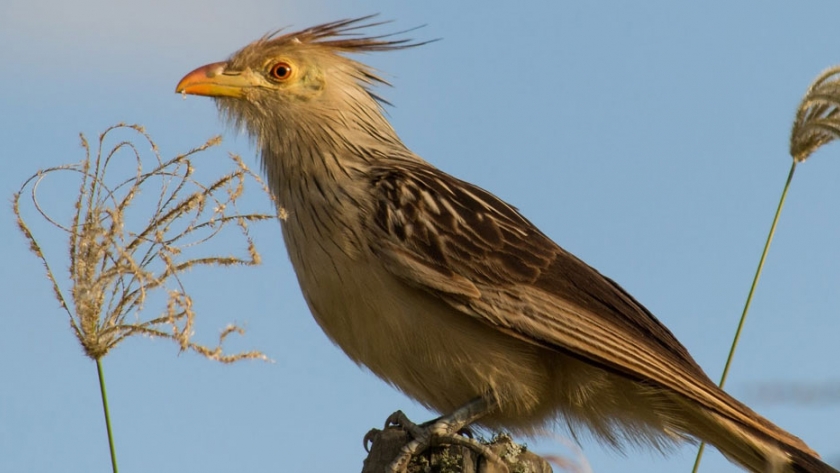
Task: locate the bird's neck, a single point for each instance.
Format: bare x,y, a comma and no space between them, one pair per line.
315,160
318,171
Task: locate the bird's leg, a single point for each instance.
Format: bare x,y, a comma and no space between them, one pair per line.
443,430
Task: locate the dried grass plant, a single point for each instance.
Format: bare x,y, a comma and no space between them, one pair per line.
117,262
816,124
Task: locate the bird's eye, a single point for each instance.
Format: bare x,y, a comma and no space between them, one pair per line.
281,71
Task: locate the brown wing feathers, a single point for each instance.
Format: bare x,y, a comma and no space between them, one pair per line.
457,240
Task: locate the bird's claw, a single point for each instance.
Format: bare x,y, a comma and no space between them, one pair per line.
466,432
442,431
368,439
399,419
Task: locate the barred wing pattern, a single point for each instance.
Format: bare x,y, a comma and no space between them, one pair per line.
469,248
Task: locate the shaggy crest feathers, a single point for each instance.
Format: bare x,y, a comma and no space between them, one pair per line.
343,35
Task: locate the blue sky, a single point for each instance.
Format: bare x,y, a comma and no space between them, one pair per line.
650,139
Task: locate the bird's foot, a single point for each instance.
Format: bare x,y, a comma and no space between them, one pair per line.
446,430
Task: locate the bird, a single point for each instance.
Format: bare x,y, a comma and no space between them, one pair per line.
444,290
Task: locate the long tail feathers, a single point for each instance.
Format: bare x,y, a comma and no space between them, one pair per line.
802,462
760,454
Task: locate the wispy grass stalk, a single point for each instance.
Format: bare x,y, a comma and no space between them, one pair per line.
817,123
111,448
116,262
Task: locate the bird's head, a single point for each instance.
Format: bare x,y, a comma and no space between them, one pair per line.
300,81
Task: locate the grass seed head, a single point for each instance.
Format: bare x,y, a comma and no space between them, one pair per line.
817,121
115,263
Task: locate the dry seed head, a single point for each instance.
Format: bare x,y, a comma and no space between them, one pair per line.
114,269
817,119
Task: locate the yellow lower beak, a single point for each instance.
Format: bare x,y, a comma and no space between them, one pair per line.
212,81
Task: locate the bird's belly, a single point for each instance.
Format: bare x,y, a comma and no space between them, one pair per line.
434,353
443,357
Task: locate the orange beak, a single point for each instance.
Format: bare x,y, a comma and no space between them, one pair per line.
212,80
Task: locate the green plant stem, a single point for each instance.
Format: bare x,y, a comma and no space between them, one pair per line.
107,415
749,299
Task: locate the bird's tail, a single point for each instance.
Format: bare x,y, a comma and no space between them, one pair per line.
757,444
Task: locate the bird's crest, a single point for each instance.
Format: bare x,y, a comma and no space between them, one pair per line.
344,36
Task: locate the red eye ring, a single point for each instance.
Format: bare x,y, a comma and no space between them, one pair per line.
281,71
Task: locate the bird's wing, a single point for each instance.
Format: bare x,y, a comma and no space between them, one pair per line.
469,248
